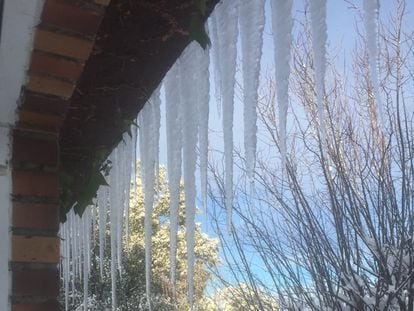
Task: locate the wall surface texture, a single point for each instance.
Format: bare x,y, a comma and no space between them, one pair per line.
18,23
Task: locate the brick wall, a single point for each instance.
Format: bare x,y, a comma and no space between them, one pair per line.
63,42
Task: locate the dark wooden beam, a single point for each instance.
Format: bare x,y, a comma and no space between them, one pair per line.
137,42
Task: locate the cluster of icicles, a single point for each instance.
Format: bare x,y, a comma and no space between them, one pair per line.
187,97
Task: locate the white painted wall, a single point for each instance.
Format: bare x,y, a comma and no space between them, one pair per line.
20,18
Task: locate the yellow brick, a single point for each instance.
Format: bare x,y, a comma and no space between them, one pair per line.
50,86
61,44
35,249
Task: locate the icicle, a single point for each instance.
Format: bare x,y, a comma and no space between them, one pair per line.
319,38
133,177
75,246
227,18
251,21
202,81
189,110
156,114
113,181
129,150
148,148
215,49
65,263
282,24
174,149
86,226
102,207
120,186
371,11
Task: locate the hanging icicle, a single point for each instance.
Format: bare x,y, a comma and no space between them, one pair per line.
371,12
174,149
114,205
215,51
282,24
251,22
202,81
190,129
65,263
86,227
319,38
102,209
148,146
228,32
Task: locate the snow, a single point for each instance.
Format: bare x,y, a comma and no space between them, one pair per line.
282,24
228,32
371,11
319,38
251,22
174,149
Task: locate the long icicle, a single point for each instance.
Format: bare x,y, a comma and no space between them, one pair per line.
252,19
147,147
227,18
189,110
319,38
86,226
102,208
174,150
213,32
282,24
202,80
113,181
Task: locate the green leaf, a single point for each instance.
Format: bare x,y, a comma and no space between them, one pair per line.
89,192
101,179
198,31
201,6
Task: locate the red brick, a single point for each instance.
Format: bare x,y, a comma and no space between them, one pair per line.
57,66
51,305
69,16
34,150
43,282
33,183
50,123
35,216
45,104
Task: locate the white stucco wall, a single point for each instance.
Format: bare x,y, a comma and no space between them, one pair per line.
20,18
